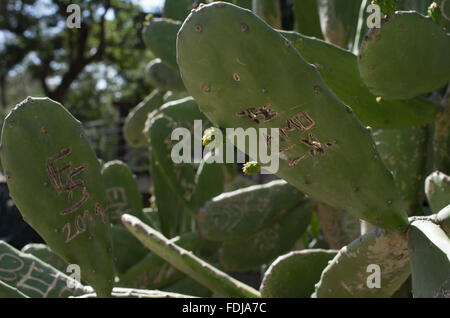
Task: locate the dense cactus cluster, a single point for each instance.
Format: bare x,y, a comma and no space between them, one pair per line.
363,122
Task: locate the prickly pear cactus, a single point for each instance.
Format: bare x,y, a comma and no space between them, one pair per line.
294,275
153,272
133,129
187,262
339,70
437,190
238,214
160,36
45,253
306,16
353,127
429,249
7,291
266,244
349,273
122,192
404,151
163,77
64,174
338,20
269,11
33,277
324,148
401,60
177,9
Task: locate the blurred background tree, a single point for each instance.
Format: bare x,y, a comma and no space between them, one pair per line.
96,71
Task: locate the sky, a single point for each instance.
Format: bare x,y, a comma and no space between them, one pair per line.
150,5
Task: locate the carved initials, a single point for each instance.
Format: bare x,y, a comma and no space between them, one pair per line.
55,173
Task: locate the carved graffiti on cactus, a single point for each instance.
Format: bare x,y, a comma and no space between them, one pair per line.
55,173
314,144
315,148
118,201
80,223
32,279
300,121
253,113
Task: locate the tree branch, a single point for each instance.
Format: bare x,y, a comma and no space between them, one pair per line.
80,62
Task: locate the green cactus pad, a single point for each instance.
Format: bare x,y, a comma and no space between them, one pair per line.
152,218
269,11
437,189
443,219
349,273
177,9
404,151
33,277
170,211
172,96
160,37
174,182
241,213
127,249
45,254
153,272
163,77
268,243
339,228
135,122
338,20
294,275
361,27
406,57
122,192
339,70
325,150
46,155
306,15
429,250
209,181
185,261
7,291
441,141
